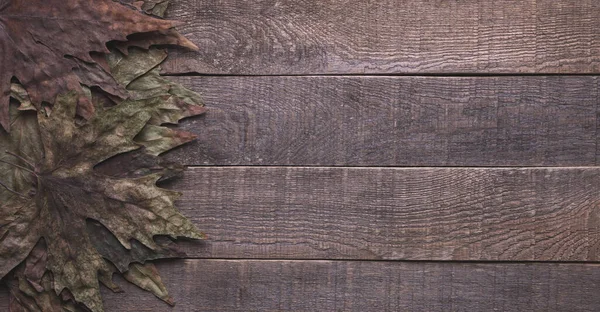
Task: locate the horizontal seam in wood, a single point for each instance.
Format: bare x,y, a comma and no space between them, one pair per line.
428,75
396,167
390,261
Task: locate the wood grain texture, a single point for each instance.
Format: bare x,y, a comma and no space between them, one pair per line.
264,37
394,121
242,285
394,214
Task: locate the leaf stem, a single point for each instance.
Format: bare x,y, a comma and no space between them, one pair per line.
13,191
20,167
21,158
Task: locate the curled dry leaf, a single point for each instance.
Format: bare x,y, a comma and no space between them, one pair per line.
79,198
51,46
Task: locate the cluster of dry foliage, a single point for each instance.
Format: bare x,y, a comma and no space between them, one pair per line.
83,110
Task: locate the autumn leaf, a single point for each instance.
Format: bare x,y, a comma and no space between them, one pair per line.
79,198
66,191
51,46
84,213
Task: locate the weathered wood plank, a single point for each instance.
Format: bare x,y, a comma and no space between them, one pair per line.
388,36
242,285
395,121
395,213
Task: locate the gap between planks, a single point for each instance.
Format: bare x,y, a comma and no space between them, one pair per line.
416,75
275,259
193,167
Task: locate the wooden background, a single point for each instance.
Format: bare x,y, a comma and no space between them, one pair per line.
388,155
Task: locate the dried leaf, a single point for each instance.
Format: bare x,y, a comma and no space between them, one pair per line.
69,189
68,218
46,45
146,277
155,7
68,192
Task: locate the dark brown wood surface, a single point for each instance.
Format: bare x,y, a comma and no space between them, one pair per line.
281,227
388,36
250,285
394,121
393,213
377,155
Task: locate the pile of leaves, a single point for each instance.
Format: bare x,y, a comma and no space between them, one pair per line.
83,111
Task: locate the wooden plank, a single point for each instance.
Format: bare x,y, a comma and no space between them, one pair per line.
249,285
267,37
394,121
395,213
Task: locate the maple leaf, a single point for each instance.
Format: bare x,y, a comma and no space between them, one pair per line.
66,191
51,46
70,220
49,229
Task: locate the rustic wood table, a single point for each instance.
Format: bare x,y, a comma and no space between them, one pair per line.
388,155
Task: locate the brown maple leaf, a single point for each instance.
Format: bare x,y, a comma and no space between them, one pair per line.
50,46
